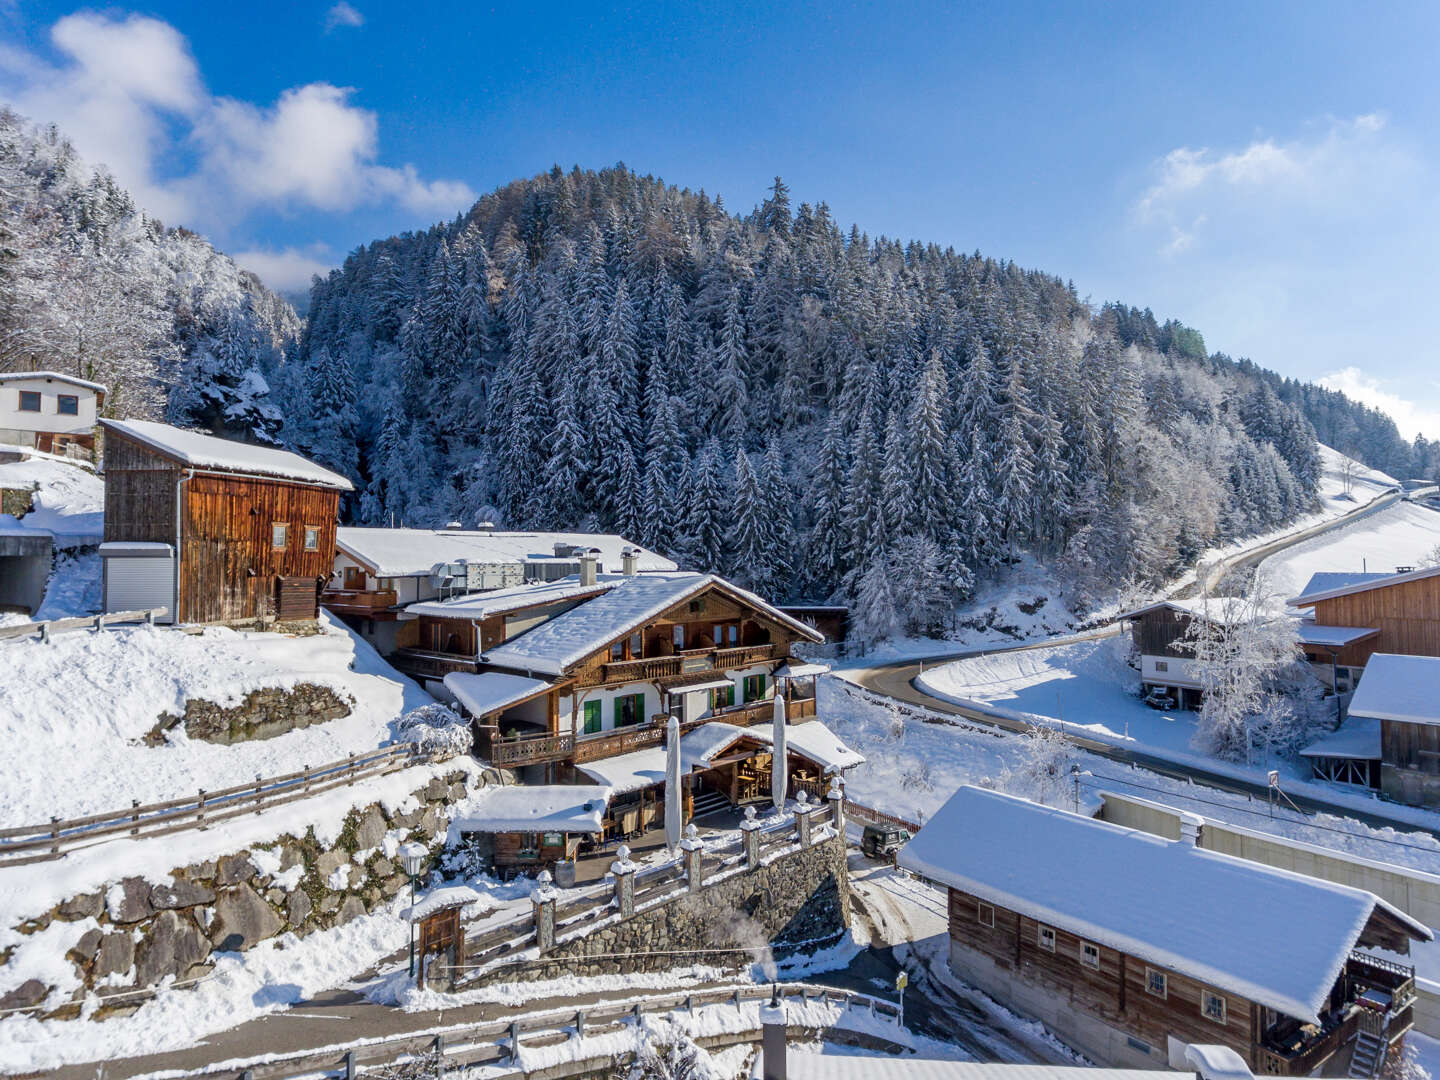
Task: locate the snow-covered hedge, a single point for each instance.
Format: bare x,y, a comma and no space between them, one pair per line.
436,728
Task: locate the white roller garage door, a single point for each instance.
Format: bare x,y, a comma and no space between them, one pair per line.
139,577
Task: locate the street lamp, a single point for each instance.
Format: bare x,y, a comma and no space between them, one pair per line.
412,858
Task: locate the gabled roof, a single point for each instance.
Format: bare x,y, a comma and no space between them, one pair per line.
557,644
409,552
1313,595
572,808
1271,936
1212,608
1402,688
516,598
56,376
200,451
492,691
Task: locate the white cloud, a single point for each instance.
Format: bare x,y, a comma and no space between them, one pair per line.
1410,418
1336,171
286,270
343,14
129,94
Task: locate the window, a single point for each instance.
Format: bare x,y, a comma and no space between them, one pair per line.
722,697
279,534
678,632
697,606
637,646
1155,982
1046,936
1162,665
985,915
617,651
1212,1006
67,405
629,710
1090,955
312,538
29,400
591,711
754,688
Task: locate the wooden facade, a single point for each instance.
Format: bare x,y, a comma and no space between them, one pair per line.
231,567
1407,614
1157,632
1150,1003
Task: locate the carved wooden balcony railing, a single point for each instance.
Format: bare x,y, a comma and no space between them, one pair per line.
684,663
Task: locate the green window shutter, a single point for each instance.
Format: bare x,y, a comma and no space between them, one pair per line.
592,717
619,712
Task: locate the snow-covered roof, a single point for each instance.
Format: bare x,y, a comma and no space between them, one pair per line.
645,768
492,691
1271,936
573,808
412,552
202,451
54,376
1368,582
1329,580
483,604
1404,688
568,638
449,897
798,669
1333,637
1358,737
844,1063
1212,608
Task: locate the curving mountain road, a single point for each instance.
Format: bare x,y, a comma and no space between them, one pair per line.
897,680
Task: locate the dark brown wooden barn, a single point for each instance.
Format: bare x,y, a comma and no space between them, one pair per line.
252,528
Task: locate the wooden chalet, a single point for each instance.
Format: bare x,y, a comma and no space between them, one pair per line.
1131,947
1355,616
1167,660
215,531
521,829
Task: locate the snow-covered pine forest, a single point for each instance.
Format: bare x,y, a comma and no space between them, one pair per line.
91,286
812,411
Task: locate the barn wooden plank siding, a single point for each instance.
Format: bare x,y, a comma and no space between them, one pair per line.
230,570
1157,632
1407,614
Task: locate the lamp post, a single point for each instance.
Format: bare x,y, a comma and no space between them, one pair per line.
412,858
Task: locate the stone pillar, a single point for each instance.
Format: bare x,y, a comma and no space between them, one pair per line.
836,795
750,829
542,897
694,851
802,819
623,871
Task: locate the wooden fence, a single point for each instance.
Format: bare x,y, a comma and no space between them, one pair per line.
79,622
501,1043
39,843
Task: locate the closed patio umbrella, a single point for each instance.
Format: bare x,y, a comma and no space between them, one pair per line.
779,775
674,796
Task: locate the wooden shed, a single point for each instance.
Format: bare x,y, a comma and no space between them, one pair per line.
253,528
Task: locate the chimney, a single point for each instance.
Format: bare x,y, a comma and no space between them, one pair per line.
772,1037
485,526
1191,825
587,568
630,561
453,526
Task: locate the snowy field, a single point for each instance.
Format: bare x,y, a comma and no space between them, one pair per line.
74,712
1399,535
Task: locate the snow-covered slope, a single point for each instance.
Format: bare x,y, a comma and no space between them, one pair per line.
1400,535
69,499
1364,482
74,712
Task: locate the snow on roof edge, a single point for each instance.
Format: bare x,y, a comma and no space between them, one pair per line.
1383,582
264,460
99,388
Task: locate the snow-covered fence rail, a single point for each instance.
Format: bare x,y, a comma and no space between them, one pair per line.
40,843
870,816
79,622
579,1041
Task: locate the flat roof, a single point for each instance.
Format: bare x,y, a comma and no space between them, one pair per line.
491,691
412,552
201,451
1358,738
1333,637
1271,936
573,808
1403,688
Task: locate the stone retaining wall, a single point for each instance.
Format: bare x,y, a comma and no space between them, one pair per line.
264,714
799,900
140,932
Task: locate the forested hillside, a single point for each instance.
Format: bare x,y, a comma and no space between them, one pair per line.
816,412
91,286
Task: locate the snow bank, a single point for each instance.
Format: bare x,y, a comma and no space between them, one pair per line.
69,501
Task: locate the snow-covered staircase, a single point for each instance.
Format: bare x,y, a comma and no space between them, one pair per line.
709,802
1368,1056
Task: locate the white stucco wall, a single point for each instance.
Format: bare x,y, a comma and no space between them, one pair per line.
1179,672
49,417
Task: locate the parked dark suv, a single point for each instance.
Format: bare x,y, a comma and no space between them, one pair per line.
879,841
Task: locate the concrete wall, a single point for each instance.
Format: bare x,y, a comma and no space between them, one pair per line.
1180,672
1412,891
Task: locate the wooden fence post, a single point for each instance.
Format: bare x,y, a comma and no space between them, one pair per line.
259,793
351,771
305,779
54,835
439,1057
579,1023
514,1042
135,817
200,811
349,1065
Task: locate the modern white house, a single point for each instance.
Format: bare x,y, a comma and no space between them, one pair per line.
45,410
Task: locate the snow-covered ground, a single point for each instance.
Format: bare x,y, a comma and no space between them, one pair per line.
1399,535
69,500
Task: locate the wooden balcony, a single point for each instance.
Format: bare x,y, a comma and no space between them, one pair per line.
659,668
524,749
367,602
800,709
426,664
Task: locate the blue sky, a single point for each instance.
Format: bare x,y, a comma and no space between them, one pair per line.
1265,172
